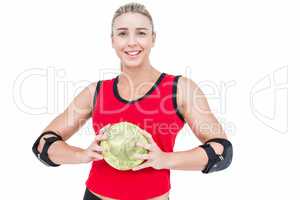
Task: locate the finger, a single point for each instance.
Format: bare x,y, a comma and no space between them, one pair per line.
95,156
96,147
142,156
145,146
100,137
104,128
103,135
148,136
142,166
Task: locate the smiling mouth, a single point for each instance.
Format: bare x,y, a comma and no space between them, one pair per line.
133,53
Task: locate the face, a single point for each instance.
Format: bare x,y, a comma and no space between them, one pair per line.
132,39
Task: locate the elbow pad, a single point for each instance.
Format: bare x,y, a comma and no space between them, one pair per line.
217,162
43,156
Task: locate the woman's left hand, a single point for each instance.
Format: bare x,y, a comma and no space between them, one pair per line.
156,158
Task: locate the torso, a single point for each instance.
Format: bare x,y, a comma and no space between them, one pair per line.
138,92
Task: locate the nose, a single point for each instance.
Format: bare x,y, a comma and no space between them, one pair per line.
132,40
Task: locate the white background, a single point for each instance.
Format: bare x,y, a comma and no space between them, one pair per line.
243,54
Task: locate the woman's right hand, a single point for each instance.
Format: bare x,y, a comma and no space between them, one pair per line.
94,151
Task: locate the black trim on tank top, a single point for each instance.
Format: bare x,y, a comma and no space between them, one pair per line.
118,96
96,93
175,99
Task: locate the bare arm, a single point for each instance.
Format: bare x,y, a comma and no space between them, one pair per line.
68,123
193,104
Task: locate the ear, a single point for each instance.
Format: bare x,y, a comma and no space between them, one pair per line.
153,38
112,41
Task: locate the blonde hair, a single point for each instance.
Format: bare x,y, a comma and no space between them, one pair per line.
133,8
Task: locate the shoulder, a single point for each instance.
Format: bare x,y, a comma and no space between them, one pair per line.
85,97
184,82
187,83
188,90
91,88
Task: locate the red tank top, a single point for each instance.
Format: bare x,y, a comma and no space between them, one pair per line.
157,113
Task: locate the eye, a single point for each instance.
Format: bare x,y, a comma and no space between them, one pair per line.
142,33
122,34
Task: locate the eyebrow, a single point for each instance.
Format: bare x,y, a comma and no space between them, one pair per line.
139,28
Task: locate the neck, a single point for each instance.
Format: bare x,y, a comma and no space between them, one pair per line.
138,74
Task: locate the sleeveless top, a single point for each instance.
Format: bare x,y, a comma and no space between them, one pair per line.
157,113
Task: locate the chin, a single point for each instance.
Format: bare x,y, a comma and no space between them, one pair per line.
132,64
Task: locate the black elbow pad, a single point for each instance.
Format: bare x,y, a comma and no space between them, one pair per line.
43,156
218,162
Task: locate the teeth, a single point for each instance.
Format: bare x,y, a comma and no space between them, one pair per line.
132,53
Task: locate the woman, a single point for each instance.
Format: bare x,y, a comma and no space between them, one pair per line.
157,102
